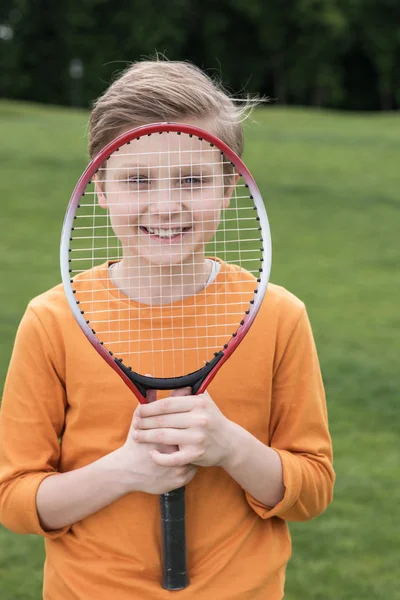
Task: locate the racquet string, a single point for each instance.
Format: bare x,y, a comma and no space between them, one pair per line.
156,207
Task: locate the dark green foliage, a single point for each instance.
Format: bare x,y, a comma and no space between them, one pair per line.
333,53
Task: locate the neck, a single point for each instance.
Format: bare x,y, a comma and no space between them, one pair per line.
153,284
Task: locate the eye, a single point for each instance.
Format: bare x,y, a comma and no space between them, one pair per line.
137,180
192,181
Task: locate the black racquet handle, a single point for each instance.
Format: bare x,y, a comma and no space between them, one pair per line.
174,570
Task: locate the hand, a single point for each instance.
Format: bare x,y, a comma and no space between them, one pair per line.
152,397
143,473
194,423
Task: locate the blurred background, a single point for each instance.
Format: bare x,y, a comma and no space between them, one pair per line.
326,53
325,152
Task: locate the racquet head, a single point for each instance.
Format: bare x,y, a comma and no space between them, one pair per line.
165,255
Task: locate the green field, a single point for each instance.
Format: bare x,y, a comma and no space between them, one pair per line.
331,186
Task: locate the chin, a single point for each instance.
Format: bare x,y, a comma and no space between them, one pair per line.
167,259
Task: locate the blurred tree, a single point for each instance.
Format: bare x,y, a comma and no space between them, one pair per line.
338,53
226,44
321,38
5,10
8,62
108,35
379,24
274,24
36,51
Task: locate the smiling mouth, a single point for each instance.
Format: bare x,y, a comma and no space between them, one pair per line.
165,233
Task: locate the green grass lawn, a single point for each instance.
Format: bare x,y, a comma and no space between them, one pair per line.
331,186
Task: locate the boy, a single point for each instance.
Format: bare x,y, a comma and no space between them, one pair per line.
254,452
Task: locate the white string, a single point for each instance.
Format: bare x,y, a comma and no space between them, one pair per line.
141,153
150,333
170,307
182,366
159,329
206,319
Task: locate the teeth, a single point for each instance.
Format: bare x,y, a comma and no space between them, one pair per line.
164,233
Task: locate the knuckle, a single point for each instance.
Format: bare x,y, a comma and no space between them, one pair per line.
200,437
203,401
197,403
204,421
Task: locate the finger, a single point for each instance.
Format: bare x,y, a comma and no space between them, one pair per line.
171,421
166,449
170,437
173,404
180,458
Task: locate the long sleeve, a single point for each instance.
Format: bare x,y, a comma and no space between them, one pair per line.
58,388
299,429
31,423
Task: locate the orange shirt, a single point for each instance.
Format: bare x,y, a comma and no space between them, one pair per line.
59,388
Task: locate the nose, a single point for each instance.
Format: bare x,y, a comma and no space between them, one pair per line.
165,199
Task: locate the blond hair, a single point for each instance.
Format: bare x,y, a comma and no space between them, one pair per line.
160,90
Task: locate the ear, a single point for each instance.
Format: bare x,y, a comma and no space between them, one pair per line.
229,192
100,193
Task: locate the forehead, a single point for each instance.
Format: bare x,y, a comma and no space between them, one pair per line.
166,150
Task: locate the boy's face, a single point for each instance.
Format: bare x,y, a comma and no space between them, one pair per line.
164,193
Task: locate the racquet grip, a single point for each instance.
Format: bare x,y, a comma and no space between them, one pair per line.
174,569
